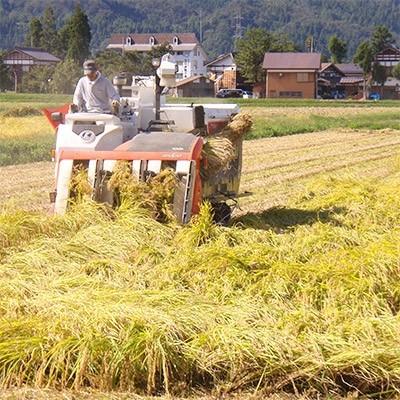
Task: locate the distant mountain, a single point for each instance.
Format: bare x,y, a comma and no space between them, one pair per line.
352,20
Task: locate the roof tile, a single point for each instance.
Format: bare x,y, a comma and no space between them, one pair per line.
160,38
292,61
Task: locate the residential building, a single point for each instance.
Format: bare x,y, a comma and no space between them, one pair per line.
390,90
353,80
388,58
22,59
340,80
189,53
224,71
291,74
195,86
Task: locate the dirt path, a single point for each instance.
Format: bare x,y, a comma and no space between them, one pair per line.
274,168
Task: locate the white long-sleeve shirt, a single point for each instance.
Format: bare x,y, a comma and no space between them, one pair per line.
95,96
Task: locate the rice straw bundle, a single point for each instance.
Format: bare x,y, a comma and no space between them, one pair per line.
220,150
156,194
238,127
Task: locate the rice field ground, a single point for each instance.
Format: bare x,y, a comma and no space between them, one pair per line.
274,168
26,137
298,299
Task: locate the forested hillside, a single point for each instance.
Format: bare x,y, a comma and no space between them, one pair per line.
352,20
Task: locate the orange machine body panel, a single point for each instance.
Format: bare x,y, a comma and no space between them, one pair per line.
194,154
63,110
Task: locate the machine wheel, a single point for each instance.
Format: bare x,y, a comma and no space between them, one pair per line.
222,213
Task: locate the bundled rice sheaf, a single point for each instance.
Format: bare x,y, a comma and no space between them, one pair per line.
221,149
218,152
238,127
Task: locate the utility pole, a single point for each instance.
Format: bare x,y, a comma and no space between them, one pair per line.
201,25
14,70
238,28
310,44
200,14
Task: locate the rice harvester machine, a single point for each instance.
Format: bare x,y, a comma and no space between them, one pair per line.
151,136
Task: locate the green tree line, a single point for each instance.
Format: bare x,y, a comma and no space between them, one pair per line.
351,20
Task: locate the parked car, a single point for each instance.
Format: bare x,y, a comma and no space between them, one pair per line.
225,93
374,96
327,96
247,94
222,93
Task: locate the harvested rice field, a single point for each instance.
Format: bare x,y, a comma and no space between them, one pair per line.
274,168
299,298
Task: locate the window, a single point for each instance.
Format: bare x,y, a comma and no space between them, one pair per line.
152,41
128,41
176,40
303,77
179,53
291,94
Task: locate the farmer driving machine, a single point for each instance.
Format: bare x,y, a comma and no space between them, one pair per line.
151,136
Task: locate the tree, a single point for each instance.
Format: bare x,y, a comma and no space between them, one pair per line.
50,40
379,74
252,48
381,38
38,79
35,34
111,62
364,57
337,48
65,77
76,33
366,53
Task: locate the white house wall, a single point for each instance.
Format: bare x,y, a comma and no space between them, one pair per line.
190,63
191,58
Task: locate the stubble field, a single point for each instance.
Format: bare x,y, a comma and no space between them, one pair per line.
298,297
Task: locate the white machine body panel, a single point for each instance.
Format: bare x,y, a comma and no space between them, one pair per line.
212,111
90,131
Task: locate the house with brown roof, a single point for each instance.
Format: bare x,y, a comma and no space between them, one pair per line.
340,80
23,59
337,81
291,75
388,58
188,51
223,70
195,86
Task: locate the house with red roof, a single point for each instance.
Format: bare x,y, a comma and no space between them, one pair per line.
188,51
